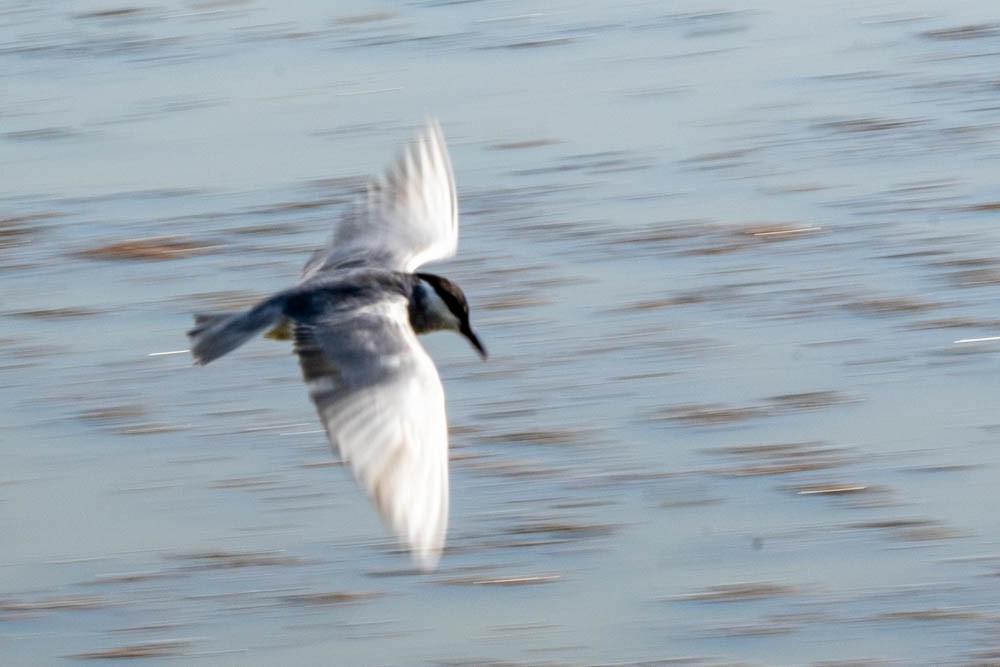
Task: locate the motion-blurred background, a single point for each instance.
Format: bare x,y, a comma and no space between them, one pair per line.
736,263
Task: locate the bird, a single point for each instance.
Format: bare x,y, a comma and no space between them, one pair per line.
354,316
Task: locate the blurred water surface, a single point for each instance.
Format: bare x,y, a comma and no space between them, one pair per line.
735,264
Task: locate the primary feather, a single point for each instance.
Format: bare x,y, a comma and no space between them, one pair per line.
405,219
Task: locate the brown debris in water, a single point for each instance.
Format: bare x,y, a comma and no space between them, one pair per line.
808,400
369,17
780,459
971,31
985,206
890,304
974,277
221,560
330,597
527,143
114,413
15,229
709,413
934,614
562,527
111,13
740,591
157,649
126,419
68,312
514,300
868,124
538,437
152,248
653,304
911,530
55,603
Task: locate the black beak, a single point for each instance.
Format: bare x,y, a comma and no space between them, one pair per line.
474,339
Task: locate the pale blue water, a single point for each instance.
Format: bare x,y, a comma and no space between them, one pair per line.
679,222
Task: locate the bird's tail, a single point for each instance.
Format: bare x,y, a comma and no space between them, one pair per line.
217,334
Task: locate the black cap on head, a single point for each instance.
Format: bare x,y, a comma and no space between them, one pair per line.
454,298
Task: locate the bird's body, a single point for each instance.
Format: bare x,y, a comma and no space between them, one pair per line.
354,317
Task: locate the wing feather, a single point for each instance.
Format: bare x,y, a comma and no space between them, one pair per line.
381,402
407,218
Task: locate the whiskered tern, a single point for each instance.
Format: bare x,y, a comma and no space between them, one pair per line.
354,315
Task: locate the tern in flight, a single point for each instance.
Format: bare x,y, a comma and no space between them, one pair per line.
354,316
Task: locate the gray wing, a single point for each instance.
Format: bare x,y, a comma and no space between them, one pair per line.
407,218
380,399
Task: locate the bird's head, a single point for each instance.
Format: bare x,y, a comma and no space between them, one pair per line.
439,304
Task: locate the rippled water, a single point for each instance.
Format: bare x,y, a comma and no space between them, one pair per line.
736,267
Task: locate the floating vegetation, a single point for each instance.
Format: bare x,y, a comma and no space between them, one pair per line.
911,530
934,614
576,529
42,134
17,229
126,419
761,629
527,143
260,482
707,414
540,437
114,413
223,560
536,43
514,300
653,304
157,649
509,467
54,603
972,31
133,577
739,592
889,305
721,159
975,277
984,207
370,17
153,248
868,124
112,13
808,400
329,597
944,467
780,459
70,312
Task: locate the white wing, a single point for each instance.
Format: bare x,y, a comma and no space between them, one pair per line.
380,399
408,218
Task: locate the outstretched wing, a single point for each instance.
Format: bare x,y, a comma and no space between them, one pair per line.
380,399
406,219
